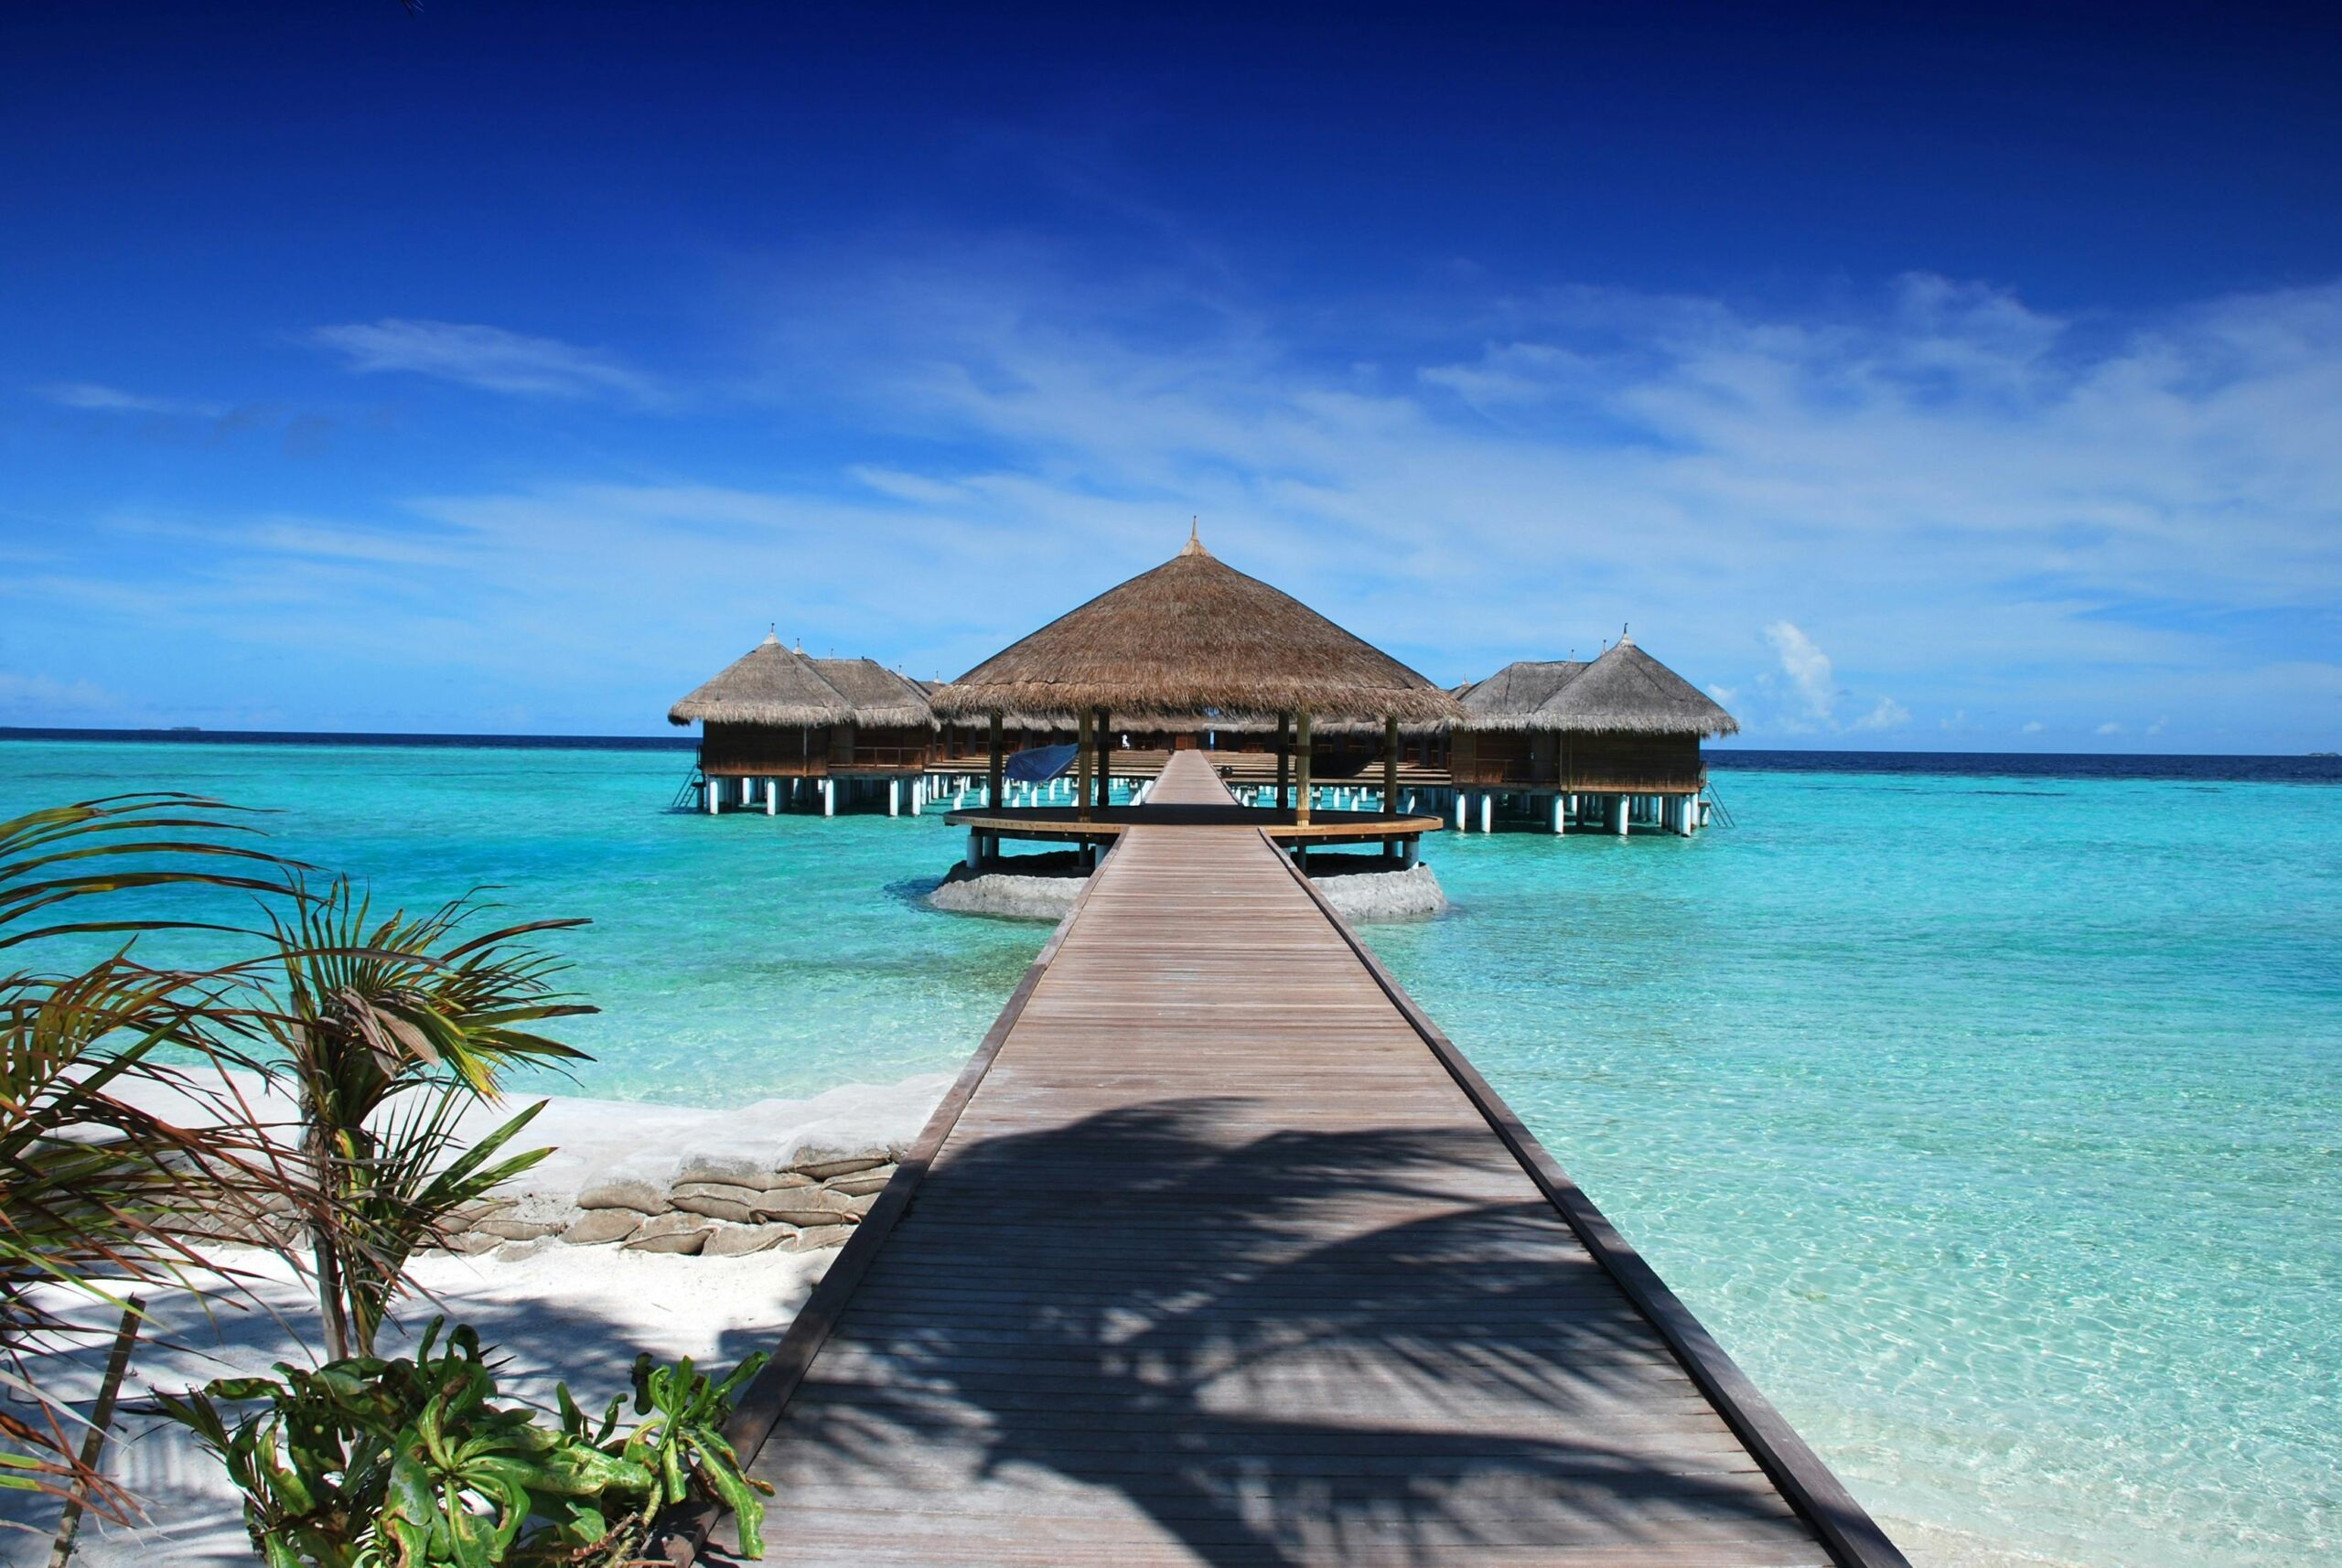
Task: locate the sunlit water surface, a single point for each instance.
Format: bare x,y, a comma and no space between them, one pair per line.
1991,1121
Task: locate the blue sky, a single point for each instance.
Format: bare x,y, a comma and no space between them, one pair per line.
1908,381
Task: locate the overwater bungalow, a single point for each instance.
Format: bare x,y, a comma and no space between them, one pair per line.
1608,745
1191,644
783,732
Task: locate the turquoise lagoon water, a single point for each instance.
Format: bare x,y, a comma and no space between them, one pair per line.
1991,1121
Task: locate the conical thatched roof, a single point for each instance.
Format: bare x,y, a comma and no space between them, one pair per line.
881,699
1510,698
768,685
1627,689
1192,634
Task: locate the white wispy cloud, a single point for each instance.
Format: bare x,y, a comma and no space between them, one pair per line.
1807,667
487,357
1887,715
1976,506
35,698
100,398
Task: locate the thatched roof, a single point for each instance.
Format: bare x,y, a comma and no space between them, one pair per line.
1510,698
769,684
1193,634
1626,689
881,699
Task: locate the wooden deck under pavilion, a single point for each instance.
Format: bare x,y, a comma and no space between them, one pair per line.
1220,1253
1065,824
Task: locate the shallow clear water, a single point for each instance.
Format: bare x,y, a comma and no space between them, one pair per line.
1991,1121
733,960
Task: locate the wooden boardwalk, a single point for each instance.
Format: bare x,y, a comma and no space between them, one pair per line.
1219,1253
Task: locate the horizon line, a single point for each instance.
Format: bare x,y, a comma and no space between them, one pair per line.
197,734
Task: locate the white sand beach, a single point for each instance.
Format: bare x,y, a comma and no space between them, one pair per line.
553,1310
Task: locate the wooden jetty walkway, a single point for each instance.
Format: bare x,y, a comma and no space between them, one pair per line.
1220,1253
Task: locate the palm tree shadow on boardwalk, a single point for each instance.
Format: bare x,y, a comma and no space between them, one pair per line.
1300,1348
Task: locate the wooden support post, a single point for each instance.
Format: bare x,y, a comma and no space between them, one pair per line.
772,797
1301,768
993,770
1625,804
1085,763
1285,760
1391,767
894,797
1102,729
1488,810
829,797
1560,826
1459,812
712,792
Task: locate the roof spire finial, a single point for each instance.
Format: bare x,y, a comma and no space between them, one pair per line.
1624,641
1194,546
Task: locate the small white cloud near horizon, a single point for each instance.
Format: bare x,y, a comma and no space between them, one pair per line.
485,357
2157,727
1806,665
1888,715
1810,674
2110,727
2031,727
43,697
100,398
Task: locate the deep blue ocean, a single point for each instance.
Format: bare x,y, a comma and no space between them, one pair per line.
1988,1109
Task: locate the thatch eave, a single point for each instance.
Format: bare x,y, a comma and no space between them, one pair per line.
779,715
1137,704
1631,725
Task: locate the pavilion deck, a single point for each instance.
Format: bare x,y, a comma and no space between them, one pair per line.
1220,1253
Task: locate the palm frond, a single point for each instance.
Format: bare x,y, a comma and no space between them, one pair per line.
100,1194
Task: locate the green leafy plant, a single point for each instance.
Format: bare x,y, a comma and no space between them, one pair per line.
389,1030
367,1463
96,1184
